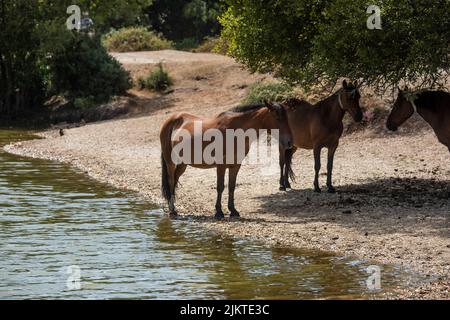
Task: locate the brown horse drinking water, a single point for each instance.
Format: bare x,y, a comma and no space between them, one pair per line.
432,106
192,130
319,126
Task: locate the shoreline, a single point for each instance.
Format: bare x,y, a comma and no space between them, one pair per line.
270,230
392,204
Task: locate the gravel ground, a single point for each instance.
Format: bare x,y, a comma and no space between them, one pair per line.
392,204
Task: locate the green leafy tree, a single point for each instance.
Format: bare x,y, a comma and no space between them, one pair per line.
37,58
182,19
21,81
317,41
412,46
115,14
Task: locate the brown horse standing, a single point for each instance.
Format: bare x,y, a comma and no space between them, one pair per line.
432,106
319,126
257,117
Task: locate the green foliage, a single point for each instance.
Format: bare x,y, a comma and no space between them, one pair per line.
111,14
84,102
39,57
212,45
21,72
84,69
271,91
187,44
185,19
157,80
318,41
134,39
273,35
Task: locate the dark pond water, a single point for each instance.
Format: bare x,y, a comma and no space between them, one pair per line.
58,226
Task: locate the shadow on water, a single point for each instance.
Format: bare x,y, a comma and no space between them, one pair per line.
52,217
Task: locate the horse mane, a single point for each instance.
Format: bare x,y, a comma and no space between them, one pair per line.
432,100
293,102
245,108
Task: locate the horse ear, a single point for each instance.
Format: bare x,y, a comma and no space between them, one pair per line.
355,83
345,84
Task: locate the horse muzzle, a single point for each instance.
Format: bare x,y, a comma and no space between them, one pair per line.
358,116
391,127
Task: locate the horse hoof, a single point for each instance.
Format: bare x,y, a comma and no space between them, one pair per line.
234,214
282,188
331,190
173,214
219,217
317,190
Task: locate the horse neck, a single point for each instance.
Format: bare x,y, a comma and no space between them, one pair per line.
427,114
253,120
332,110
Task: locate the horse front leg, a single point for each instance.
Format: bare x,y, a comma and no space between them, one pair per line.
317,151
331,152
220,187
233,172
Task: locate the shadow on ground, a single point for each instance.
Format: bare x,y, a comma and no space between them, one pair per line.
374,203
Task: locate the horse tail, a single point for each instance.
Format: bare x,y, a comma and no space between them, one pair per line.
289,154
166,153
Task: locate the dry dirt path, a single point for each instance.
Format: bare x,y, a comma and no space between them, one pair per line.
392,204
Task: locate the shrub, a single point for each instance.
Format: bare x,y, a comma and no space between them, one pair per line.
272,91
134,39
213,45
83,70
84,102
187,44
158,79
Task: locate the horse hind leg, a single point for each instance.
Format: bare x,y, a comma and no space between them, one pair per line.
288,172
174,177
180,169
172,185
282,174
286,168
167,181
233,172
220,187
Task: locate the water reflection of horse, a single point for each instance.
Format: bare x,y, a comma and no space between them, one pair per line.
319,126
432,106
237,270
266,116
